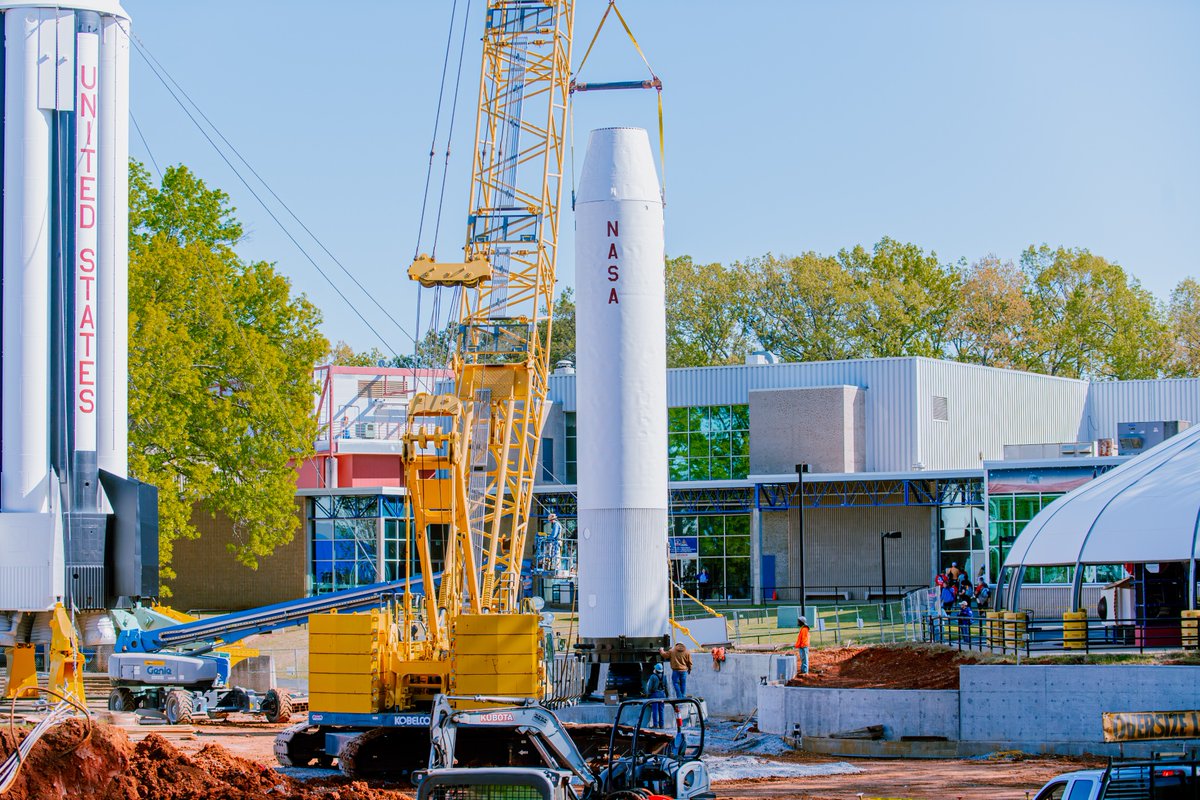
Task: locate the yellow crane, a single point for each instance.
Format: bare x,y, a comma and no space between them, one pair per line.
470,454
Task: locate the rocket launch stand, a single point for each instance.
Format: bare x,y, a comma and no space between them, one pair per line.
22,672
66,663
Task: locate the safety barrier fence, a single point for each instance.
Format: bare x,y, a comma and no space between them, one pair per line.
1018,632
830,623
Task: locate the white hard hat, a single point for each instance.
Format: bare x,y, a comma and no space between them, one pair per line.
552,516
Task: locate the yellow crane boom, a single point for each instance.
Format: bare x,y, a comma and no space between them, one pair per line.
471,455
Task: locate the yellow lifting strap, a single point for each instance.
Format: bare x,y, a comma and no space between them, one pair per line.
662,148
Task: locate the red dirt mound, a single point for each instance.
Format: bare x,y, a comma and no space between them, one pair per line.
901,667
67,763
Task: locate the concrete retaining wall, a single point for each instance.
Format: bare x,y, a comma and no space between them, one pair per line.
1035,708
821,712
1064,703
732,692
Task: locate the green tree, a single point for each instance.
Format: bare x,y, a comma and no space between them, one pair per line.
343,355
993,316
220,358
562,335
799,307
907,299
432,352
703,322
1089,319
1183,319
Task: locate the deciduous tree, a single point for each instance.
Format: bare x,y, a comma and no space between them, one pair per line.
1183,319
799,307
220,360
993,315
1088,319
907,299
703,322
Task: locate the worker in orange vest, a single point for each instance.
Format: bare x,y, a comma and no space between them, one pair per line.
802,646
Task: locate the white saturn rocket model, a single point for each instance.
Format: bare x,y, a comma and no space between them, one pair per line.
621,391
69,518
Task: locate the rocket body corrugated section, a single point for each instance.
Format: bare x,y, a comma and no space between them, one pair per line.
25,459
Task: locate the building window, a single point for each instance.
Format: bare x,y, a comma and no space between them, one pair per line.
344,553
718,544
347,532
572,451
547,460
709,442
962,539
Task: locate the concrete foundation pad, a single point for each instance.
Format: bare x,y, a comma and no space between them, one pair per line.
878,748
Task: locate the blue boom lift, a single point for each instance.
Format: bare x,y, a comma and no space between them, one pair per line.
180,667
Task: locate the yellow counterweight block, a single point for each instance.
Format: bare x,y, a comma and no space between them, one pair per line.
497,654
346,657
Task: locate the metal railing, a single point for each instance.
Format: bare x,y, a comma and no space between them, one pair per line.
1020,633
843,591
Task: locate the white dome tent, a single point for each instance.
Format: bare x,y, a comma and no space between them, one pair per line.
1146,511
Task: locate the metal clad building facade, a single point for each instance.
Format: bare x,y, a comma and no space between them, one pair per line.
984,408
917,431
981,409
1114,402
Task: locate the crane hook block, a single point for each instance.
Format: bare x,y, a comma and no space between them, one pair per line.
469,273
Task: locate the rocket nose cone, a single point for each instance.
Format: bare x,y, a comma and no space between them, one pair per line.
619,165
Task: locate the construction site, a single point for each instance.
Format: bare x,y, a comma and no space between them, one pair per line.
515,573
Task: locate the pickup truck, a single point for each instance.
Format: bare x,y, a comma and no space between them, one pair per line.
1128,780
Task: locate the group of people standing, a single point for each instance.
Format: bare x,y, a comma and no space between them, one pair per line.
959,597
955,591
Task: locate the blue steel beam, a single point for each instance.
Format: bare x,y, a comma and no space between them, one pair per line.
229,628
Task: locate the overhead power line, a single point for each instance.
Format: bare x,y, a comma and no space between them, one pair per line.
167,80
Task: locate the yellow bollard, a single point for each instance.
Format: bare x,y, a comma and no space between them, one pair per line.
1075,630
1014,629
995,628
1191,629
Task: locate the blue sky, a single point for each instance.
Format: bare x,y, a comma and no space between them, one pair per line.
967,127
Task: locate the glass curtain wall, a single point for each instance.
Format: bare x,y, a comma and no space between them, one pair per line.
709,442
717,544
356,540
1008,515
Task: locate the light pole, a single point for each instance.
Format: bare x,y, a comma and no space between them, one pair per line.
800,470
883,537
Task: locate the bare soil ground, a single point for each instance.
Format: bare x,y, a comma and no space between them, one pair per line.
884,667
100,762
235,762
993,779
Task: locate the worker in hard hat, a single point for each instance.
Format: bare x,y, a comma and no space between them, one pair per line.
656,686
802,639
681,667
554,534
